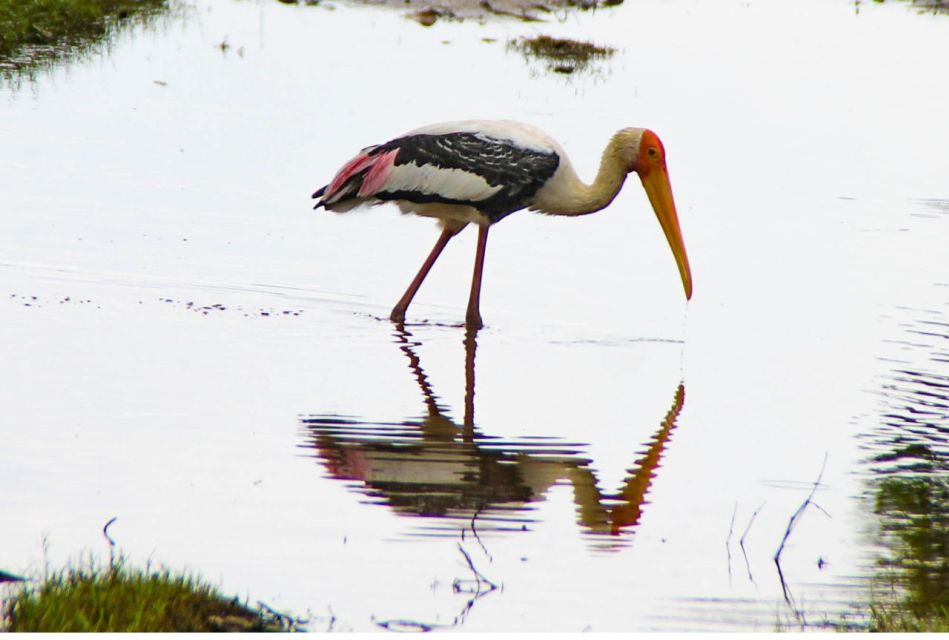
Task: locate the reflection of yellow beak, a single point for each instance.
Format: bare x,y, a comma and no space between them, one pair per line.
656,184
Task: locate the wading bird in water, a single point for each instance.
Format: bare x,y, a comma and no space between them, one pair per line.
479,171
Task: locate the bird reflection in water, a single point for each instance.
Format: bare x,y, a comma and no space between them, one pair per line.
454,476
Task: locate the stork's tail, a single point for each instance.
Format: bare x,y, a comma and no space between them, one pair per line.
357,181
319,194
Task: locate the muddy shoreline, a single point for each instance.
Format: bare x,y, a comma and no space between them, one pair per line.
427,12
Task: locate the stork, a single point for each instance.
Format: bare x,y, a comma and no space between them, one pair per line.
479,171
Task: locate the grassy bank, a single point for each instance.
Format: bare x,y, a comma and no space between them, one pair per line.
899,619
40,32
88,598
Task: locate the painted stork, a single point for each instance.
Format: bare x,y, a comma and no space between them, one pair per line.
480,171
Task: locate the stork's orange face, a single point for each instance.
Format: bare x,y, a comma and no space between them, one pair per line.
650,164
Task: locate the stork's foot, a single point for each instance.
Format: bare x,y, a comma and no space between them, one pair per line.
397,315
473,321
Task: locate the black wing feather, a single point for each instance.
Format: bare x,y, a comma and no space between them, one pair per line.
519,171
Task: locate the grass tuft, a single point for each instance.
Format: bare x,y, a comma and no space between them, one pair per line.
89,598
899,619
561,55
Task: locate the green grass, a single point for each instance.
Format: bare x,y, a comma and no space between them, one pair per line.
88,598
34,33
890,619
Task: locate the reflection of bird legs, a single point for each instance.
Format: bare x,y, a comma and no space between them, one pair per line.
435,411
541,472
415,364
471,345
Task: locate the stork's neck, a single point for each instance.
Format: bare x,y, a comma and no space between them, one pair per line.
573,197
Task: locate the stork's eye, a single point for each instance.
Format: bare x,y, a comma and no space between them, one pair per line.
653,152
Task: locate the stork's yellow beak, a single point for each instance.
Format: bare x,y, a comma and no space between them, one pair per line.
656,183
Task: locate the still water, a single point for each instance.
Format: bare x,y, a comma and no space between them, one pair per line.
188,347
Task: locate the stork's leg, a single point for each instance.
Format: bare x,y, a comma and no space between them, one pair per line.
473,317
398,311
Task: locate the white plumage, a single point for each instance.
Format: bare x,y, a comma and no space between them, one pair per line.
431,180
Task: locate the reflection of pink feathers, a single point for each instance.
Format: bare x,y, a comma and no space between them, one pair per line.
376,170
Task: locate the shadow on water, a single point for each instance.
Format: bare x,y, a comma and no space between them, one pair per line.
453,476
908,487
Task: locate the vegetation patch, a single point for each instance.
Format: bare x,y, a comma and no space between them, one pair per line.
899,619
928,6
37,33
88,598
561,55
912,590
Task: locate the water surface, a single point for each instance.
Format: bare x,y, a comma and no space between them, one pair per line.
190,348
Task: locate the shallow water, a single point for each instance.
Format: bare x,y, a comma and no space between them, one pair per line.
191,349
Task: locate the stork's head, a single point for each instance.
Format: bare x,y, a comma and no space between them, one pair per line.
645,155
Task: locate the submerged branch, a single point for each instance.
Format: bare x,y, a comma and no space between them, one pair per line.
795,518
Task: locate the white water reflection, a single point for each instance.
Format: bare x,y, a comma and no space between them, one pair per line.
802,147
